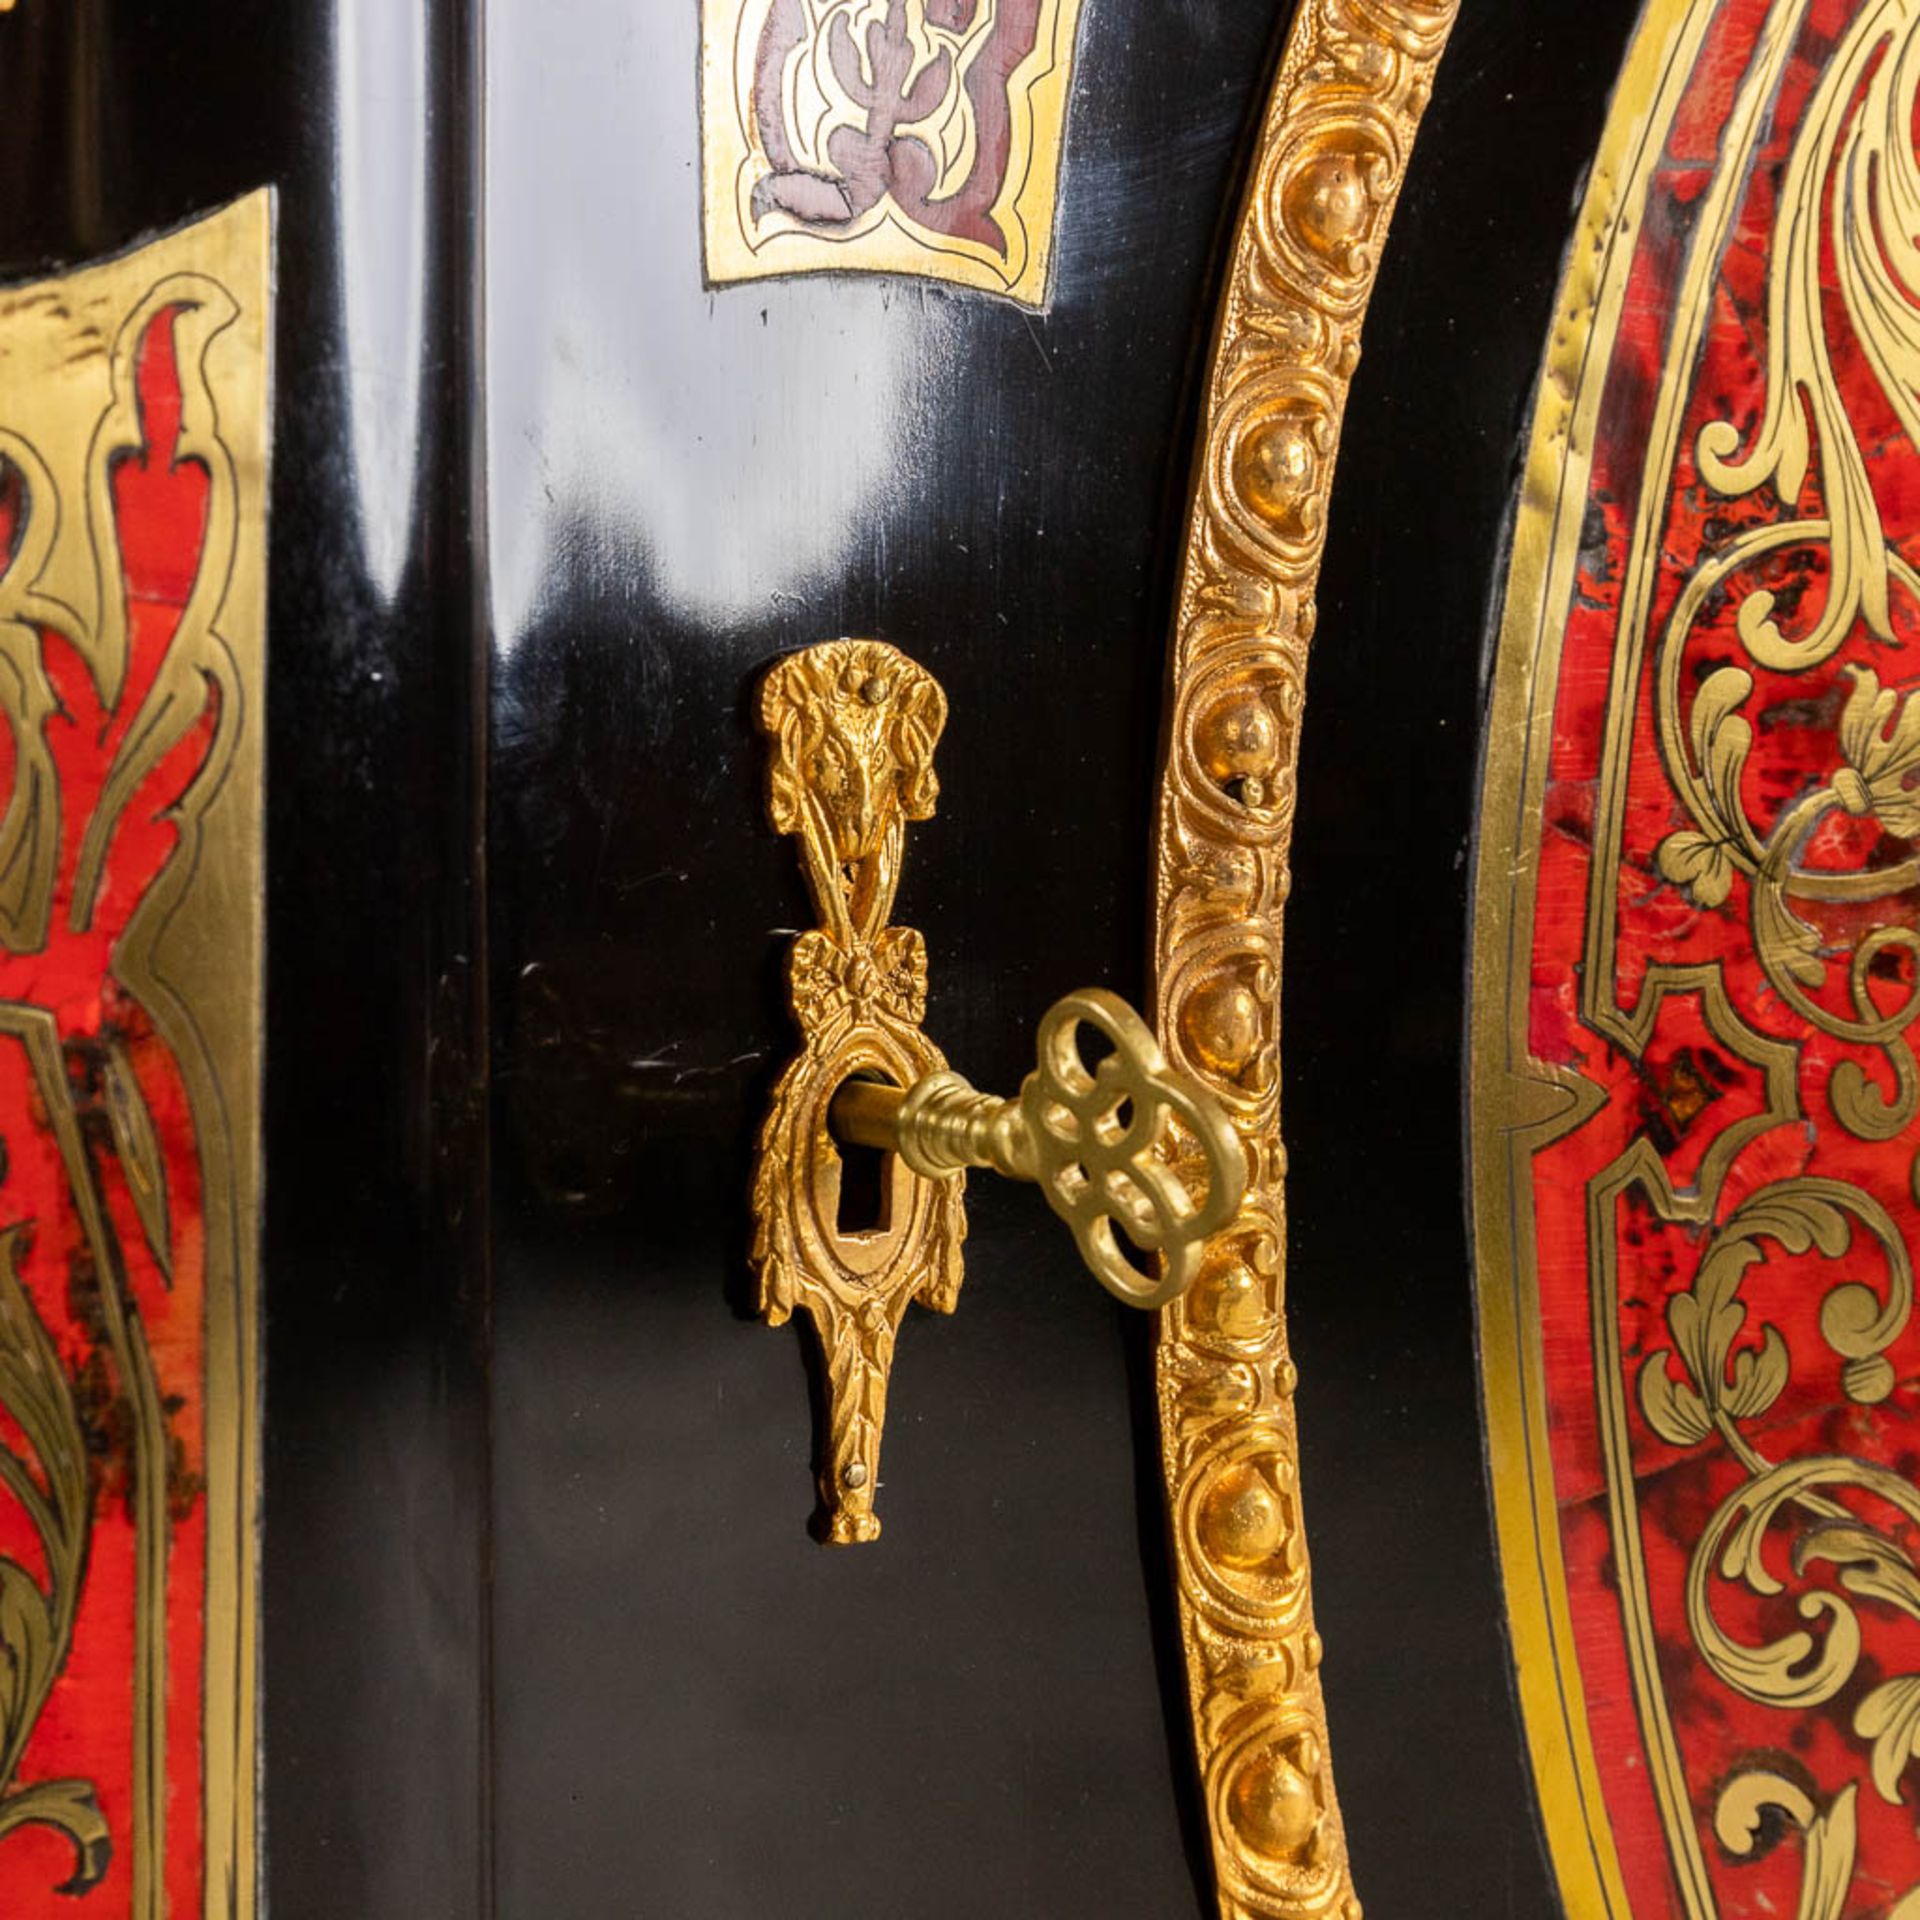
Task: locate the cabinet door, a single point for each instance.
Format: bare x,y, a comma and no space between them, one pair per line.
697,1706
990,1708
606,354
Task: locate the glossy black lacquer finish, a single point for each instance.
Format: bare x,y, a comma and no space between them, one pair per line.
695,1711
119,118
696,1708
1428,1755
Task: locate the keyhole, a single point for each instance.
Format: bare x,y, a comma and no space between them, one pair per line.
866,1189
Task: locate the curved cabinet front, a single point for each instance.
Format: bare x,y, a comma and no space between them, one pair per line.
1018,337
1695,1101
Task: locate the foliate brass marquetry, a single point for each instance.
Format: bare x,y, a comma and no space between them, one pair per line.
885,136
1713,555
1353,82
133,455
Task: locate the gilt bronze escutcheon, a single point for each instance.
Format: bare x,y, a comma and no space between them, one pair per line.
1096,1125
852,727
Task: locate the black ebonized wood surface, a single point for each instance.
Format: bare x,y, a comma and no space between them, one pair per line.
544,1629
696,1705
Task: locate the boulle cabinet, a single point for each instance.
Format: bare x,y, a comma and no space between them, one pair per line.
599,599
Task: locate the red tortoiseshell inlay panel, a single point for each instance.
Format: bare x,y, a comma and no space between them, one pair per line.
133,444
1723,971
81,1741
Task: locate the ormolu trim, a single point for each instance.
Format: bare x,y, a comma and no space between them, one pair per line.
1354,79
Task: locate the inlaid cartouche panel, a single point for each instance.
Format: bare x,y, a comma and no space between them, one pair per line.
885,136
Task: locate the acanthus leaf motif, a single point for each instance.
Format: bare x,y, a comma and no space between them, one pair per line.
1880,739
1889,1717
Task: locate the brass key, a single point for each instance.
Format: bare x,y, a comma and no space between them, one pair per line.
1094,1138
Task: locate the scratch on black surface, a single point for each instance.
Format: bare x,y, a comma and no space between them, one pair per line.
1039,345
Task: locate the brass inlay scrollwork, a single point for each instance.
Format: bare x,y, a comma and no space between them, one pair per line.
49,1477
1353,82
1851,179
1706,656
132,644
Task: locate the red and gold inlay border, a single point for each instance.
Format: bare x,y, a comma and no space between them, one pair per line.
133,469
1695,1107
